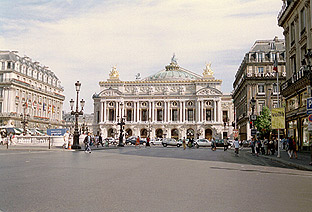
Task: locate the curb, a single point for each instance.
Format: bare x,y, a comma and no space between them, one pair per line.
298,166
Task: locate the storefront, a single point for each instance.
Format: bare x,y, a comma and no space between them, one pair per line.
306,135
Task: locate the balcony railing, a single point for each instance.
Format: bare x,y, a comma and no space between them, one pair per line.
303,73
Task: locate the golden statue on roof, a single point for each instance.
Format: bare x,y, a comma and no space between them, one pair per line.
208,72
114,74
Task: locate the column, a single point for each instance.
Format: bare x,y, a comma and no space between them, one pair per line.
101,111
197,110
152,110
134,111
149,111
184,112
219,111
104,112
180,110
214,111
138,112
116,110
202,110
169,112
165,111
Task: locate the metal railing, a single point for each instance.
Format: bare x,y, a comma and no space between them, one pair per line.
38,141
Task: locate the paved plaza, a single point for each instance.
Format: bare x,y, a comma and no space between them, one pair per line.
149,179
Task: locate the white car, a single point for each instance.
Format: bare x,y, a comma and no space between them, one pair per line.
157,141
171,142
202,143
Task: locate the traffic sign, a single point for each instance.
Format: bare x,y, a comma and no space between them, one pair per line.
253,118
253,132
310,126
310,118
309,103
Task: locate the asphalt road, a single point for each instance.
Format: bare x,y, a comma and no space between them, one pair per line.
156,179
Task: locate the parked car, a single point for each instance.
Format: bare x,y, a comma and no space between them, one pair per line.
171,142
110,141
157,141
202,143
132,140
219,143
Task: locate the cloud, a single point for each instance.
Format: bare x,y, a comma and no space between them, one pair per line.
82,41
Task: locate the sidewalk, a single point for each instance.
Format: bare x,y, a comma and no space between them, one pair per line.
53,148
302,163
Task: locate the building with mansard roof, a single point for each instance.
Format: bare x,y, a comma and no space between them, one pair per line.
256,78
28,88
296,19
173,102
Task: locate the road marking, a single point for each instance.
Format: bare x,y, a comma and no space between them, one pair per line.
21,153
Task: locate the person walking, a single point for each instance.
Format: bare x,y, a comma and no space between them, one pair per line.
252,146
265,146
66,140
100,140
236,146
87,141
213,145
137,143
226,144
258,147
184,144
290,148
148,142
295,148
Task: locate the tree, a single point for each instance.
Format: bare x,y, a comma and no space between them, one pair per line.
263,123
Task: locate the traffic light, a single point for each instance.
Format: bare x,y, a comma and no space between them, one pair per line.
250,123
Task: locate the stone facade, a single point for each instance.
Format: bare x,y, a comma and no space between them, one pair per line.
174,102
295,18
28,88
256,78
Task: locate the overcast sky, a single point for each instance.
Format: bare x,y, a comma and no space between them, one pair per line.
82,39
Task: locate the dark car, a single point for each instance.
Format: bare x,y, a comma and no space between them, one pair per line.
219,143
132,140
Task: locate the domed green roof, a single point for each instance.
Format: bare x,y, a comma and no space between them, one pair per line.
173,72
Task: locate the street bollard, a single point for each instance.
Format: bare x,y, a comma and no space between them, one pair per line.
49,142
7,144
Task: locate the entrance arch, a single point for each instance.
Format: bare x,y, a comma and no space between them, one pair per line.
190,133
111,133
128,133
143,133
159,133
208,134
175,134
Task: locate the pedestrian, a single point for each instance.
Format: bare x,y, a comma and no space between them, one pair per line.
290,148
295,148
184,144
148,142
252,146
66,139
1,139
311,155
213,144
226,144
265,145
236,146
87,141
137,143
258,146
100,140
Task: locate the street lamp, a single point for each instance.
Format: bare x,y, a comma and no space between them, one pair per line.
76,113
121,123
24,118
83,125
253,104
